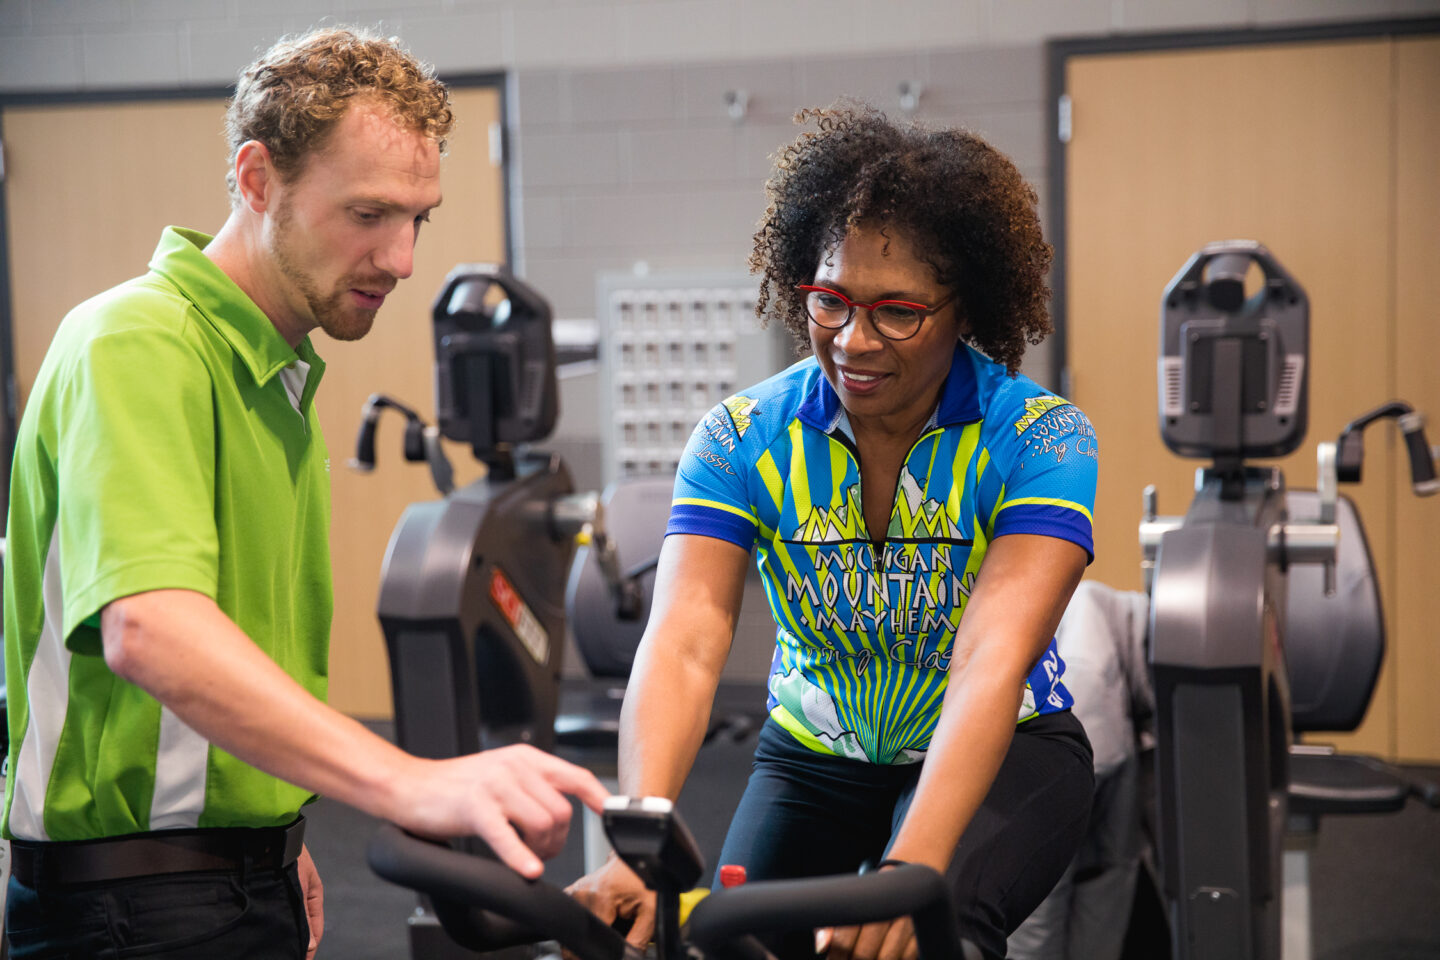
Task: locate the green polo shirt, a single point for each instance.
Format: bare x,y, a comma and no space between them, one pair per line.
170,441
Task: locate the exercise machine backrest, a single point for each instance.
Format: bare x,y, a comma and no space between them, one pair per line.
1232,602
1233,369
494,360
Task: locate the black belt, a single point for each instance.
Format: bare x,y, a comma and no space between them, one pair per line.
146,854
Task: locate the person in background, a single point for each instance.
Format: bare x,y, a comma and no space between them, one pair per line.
167,585
921,514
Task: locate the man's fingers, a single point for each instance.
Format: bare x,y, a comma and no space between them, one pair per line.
535,822
576,781
555,808
314,892
511,850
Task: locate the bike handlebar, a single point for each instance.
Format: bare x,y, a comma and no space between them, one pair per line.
484,905
772,906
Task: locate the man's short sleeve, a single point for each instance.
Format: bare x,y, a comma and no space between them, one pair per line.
136,470
1048,451
711,497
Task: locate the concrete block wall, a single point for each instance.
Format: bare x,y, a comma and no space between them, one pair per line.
619,167
643,168
95,44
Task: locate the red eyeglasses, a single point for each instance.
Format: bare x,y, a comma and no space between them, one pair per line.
894,319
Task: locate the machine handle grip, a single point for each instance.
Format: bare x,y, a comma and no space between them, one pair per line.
1422,464
364,459
465,888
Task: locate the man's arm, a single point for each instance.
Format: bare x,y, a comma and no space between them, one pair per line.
179,647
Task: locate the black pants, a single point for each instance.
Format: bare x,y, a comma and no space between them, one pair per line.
213,915
807,814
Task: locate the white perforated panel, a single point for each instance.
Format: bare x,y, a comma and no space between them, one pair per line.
671,347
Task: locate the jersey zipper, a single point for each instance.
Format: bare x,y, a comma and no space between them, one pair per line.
844,440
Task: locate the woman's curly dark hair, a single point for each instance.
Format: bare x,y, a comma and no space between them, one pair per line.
956,198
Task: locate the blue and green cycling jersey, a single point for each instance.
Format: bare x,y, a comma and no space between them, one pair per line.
865,623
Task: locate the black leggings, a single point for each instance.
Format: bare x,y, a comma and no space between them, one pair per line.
809,814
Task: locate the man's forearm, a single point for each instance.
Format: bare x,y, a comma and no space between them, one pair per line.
180,648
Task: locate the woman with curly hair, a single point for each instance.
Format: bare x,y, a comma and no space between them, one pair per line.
920,514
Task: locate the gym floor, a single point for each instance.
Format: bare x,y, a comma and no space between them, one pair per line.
1375,880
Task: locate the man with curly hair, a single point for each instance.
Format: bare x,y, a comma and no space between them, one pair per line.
920,513
167,585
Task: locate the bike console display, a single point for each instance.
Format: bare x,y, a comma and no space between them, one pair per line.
653,841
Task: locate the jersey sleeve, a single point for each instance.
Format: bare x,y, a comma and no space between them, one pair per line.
1047,451
711,486
136,471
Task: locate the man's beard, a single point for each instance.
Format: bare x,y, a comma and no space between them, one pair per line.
334,314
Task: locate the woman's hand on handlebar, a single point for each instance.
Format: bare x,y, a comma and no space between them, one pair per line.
514,798
886,940
613,893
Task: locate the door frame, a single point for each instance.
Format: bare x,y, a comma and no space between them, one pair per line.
1057,56
9,401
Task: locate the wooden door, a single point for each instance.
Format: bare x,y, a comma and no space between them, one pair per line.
1295,146
1416,649
89,187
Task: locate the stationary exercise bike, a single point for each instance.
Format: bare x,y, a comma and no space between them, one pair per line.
1236,660
472,603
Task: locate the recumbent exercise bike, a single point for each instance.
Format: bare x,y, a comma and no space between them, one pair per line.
1247,643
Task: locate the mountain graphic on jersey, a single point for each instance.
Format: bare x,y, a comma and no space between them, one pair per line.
915,518
741,410
1035,408
918,518
836,524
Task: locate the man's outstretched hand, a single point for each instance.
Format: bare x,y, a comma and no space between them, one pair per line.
514,798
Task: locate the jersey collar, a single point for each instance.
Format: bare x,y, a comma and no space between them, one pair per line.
180,258
959,399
